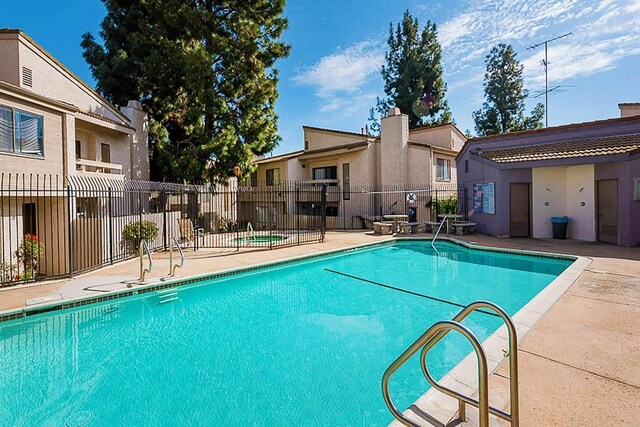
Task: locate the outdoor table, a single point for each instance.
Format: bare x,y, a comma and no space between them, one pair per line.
396,220
449,218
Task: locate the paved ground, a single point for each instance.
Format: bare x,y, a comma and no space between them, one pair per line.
579,365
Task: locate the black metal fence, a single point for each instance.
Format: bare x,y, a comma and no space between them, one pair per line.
51,228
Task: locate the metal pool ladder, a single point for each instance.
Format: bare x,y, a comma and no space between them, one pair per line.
144,247
437,332
172,267
435,236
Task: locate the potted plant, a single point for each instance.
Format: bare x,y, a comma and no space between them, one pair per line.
134,232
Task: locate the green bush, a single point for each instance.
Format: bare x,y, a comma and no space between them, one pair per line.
135,231
448,205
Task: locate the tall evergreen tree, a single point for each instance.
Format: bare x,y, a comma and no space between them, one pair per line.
413,74
504,109
205,72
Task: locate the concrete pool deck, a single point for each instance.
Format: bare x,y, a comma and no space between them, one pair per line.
578,363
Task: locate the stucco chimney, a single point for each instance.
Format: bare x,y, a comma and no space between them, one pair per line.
139,149
394,139
628,109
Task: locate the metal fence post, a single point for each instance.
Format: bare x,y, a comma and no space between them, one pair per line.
165,229
323,205
437,205
237,213
110,230
70,231
298,212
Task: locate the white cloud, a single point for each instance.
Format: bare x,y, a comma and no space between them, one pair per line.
344,71
604,33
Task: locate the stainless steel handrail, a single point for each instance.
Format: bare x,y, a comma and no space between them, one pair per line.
143,271
514,416
435,236
173,268
442,327
430,338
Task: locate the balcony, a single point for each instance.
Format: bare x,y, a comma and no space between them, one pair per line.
99,169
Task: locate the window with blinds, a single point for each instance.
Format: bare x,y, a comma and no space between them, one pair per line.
21,132
6,129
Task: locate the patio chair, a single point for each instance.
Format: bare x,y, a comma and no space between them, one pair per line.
188,233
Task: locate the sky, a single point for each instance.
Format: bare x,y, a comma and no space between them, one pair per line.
332,76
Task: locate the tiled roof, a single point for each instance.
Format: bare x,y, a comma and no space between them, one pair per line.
563,150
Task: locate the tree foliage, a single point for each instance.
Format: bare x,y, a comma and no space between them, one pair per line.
413,74
205,72
504,109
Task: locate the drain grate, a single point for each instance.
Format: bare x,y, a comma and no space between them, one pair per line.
79,419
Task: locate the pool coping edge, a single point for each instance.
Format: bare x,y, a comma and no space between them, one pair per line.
463,376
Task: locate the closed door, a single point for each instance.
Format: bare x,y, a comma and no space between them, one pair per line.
608,210
519,210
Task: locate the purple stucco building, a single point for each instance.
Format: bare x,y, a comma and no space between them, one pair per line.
589,172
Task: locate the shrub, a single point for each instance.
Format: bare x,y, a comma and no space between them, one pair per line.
135,231
448,205
28,254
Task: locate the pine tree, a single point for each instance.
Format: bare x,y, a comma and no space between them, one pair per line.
504,109
205,72
413,74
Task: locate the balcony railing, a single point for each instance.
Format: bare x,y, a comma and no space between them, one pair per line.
112,170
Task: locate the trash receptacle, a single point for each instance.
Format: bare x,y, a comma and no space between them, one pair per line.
560,224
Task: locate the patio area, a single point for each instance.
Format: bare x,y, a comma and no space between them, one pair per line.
578,364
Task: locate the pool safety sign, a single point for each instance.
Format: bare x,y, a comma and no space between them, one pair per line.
412,198
484,198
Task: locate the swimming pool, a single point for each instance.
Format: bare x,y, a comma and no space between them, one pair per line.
304,343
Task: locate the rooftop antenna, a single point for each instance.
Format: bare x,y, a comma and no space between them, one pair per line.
545,62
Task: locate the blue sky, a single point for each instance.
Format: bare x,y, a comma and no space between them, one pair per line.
332,76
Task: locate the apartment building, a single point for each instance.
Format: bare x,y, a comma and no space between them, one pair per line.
400,158
55,128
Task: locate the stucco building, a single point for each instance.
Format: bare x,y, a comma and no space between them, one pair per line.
589,172
53,128
399,158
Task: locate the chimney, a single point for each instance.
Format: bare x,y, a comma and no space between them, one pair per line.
628,109
394,139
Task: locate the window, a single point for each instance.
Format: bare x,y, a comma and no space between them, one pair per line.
105,153
346,190
78,149
466,166
328,172
20,132
273,176
636,189
254,178
444,170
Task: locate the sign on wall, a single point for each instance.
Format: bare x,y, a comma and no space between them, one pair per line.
484,198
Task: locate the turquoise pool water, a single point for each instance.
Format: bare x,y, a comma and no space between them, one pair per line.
300,344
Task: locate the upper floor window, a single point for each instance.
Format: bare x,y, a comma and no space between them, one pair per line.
273,176
327,172
20,132
444,170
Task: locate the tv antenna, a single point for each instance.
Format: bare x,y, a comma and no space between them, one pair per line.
545,62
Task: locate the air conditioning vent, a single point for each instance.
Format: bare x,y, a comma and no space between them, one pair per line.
27,77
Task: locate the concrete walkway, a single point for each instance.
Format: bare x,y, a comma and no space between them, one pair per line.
579,364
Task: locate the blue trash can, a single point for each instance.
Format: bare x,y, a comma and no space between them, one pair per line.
560,224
